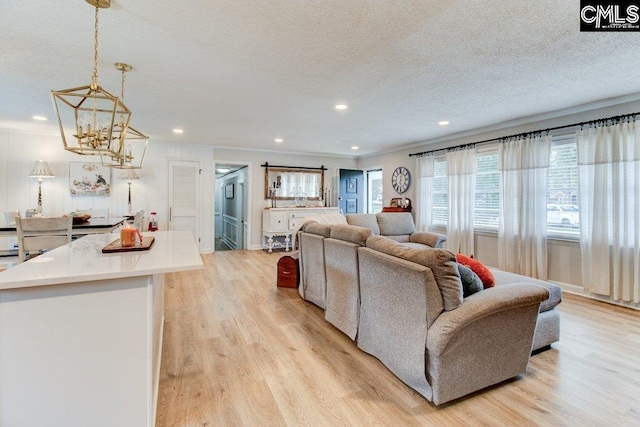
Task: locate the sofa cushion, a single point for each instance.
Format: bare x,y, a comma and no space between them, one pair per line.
483,272
395,223
471,283
401,238
319,229
414,245
555,291
364,220
442,263
351,233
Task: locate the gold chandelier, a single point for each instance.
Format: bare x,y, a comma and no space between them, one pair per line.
133,144
92,121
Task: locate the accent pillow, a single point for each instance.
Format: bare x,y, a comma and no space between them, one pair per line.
483,272
471,283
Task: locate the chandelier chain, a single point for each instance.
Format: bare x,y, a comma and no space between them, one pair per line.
95,47
124,76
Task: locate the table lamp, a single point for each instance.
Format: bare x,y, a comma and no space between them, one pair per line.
129,175
40,170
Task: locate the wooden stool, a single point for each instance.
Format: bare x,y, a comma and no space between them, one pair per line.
288,271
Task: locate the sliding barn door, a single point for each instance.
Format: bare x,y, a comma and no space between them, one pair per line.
184,196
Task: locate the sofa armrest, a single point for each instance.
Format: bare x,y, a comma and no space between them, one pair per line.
481,305
434,240
486,340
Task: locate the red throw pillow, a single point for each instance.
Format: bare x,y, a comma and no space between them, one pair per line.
477,267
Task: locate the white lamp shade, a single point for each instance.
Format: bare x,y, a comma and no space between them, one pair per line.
41,170
129,174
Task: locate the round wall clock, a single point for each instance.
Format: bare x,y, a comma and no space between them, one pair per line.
401,180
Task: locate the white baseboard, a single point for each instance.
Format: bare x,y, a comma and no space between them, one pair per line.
578,290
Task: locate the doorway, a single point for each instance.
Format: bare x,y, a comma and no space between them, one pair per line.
232,200
351,192
374,190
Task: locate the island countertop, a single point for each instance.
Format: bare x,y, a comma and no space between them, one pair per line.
82,260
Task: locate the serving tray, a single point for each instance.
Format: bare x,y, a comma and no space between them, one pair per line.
115,246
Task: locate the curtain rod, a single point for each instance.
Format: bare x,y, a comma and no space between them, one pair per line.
519,135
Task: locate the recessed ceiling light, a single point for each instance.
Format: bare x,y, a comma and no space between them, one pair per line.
341,107
222,170
443,122
355,147
41,118
278,140
178,131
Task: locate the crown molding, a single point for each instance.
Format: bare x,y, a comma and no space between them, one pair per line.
550,115
297,153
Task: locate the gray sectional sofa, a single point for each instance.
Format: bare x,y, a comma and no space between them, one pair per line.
400,227
402,302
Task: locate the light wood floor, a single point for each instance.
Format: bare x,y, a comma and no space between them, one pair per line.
240,351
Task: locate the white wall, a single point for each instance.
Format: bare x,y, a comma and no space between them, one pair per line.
257,158
19,150
564,256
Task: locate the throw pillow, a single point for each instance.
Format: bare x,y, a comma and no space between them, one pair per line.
483,272
471,283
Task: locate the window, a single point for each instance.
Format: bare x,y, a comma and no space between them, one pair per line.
374,191
486,208
440,192
563,214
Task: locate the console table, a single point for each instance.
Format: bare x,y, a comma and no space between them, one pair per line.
395,209
280,223
398,204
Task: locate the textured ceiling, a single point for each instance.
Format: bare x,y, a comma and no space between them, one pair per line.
241,73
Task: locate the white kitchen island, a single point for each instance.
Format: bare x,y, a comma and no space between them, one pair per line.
81,332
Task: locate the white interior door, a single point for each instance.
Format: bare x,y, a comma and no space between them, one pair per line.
218,203
240,228
245,217
184,195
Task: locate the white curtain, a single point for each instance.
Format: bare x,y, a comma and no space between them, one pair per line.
424,192
461,171
609,180
522,233
295,182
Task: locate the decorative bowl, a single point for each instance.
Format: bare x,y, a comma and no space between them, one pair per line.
79,219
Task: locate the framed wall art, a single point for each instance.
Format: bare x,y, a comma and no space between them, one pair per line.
228,191
89,179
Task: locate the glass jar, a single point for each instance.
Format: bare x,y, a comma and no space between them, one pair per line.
300,199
